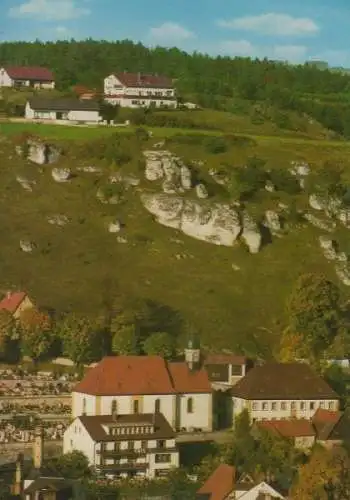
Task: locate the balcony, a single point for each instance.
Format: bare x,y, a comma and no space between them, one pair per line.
130,466
134,453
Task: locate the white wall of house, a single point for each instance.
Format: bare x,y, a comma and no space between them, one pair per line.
278,409
255,491
138,102
73,115
77,438
83,116
83,403
304,442
201,417
171,462
5,80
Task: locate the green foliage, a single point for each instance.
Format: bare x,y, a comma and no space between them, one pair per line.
326,181
125,340
314,312
83,340
108,112
339,380
73,465
37,336
7,331
216,145
284,181
159,344
246,181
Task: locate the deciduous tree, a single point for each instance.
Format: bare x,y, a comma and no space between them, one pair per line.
126,340
160,344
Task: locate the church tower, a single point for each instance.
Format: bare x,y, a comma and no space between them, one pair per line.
193,352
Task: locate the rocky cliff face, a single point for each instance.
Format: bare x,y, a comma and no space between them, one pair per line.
39,152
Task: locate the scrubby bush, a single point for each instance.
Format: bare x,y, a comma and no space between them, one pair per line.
284,181
216,145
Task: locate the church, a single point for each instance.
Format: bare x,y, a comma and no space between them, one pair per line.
126,385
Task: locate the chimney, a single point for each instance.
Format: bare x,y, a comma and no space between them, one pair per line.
8,294
38,448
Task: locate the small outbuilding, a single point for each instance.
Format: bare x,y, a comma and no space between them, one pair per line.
63,110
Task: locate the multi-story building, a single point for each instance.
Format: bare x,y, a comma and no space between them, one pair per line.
26,76
124,445
135,90
181,391
282,391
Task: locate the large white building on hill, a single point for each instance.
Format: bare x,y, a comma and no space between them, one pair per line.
136,90
127,385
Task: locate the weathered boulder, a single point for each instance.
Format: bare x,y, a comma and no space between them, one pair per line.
27,246
325,225
186,177
329,247
127,180
169,187
273,222
343,272
300,169
344,216
270,187
61,174
25,183
39,152
219,177
218,224
251,234
154,169
58,220
170,168
201,191
316,202
89,169
114,227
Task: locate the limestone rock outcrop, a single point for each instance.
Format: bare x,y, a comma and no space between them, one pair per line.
251,234
218,223
27,246
201,191
273,222
39,152
61,174
58,220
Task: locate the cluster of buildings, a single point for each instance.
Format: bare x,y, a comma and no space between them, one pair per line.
132,90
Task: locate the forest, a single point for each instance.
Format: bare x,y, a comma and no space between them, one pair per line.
213,82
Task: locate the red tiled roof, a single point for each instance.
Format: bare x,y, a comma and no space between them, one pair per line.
326,416
289,428
29,73
189,381
12,301
225,359
127,375
220,484
143,80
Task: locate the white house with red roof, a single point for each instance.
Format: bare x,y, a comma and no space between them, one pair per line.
136,90
145,385
15,303
26,76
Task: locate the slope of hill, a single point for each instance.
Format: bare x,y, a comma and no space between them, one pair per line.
234,298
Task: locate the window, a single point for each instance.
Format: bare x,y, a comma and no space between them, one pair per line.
190,405
136,406
162,458
312,405
84,406
293,405
131,445
331,405
161,443
265,406
255,406
143,445
321,404
116,446
274,406
236,370
114,406
283,406
303,405
157,406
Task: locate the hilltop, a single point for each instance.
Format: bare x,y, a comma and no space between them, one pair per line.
234,298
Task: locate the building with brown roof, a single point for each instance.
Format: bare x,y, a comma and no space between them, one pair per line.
26,76
332,427
301,432
146,384
63,110
222,485
15,303
282,391
225,370
135,90
140,445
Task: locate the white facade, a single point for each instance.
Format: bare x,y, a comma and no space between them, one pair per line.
149,462
135,97
7,81
86,116
256,492
281,409
183,412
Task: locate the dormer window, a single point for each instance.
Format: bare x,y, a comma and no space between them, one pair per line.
114,406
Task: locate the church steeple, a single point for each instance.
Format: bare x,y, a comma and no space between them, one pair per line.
193,352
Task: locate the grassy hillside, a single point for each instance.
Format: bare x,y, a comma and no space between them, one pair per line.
82,266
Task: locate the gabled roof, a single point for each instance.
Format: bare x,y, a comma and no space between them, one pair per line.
144,80
64,104
189,381
219,485
12,301
283,381
118,375
332,425
94,426
289,428
48,484
125,375
29,73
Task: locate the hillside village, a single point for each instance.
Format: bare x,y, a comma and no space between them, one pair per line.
127,414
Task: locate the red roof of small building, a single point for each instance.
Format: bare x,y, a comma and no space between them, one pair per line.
220,484
124,375
326,416
30,73
144,80
289,428
189,381
12,301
